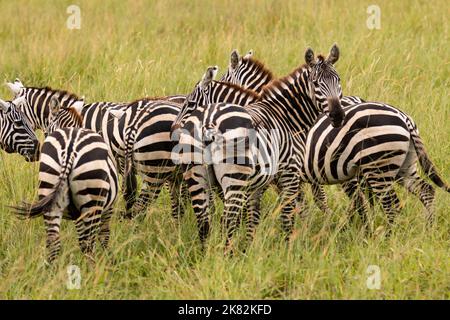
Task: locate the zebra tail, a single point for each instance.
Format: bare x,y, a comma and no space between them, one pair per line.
425,161
128,161
34,210
37,209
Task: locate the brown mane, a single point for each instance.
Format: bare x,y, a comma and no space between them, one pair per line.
155,98
74,113
276,83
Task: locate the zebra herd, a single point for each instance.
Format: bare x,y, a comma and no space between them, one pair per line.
235,136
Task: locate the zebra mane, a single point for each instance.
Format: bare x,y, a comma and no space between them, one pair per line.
60,93
277,83
145,99
74,114
259,67
236,87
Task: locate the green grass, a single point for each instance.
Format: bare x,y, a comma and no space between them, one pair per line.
126,50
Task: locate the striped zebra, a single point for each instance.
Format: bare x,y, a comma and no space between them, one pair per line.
379,144
291,105
354,189
77,181
147,125
247,72
99,117
16,133
265,138
255,74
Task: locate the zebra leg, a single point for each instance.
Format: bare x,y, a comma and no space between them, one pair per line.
235,199
424,191
52,222
88,225
289,186
358,203
301,202
149,193
104,232
175,196
384,191
130,192
196,177
320,198
252,212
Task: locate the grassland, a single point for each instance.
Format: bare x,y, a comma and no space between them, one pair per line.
130,49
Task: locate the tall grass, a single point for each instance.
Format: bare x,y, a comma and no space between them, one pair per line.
130,49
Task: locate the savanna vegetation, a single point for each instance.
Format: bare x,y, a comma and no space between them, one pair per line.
125,50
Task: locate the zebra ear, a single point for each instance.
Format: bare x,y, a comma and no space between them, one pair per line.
18,82
54,106
309,57
249,54
234,59
4,106
78,105
15,87
209,76
333,57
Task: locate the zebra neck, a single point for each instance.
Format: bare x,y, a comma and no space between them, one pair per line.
37,107
286,102
231,93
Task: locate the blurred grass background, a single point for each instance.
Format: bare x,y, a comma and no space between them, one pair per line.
130,49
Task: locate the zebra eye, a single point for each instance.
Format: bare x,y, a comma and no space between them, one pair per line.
18,123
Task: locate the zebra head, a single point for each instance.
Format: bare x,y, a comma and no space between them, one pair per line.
247,72
36,106
199,97
238,65
62,117
324,84
16,133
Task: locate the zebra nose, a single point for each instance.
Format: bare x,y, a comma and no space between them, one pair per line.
337,114
37,150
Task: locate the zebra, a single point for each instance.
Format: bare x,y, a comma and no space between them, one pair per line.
247,72
147,125
277,122
291,105
353,188
378,143
99,117
255,74
16,133
77,181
